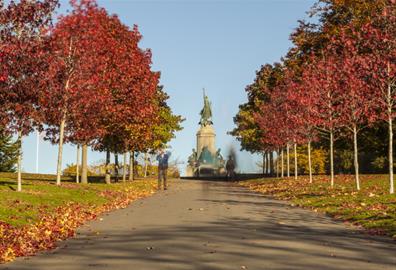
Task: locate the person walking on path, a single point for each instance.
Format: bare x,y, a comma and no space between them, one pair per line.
230,168
162,159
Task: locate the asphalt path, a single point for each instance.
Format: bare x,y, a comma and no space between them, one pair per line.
211,226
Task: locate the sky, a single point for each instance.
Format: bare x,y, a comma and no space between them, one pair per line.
216,45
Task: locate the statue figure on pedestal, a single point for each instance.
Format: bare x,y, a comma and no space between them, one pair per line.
220,158
192,159
206,112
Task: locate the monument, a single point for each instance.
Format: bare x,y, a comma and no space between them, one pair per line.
205,160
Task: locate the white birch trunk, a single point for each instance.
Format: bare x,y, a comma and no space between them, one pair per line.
390,150
356,157
107,168
309,162
84,161
19,163
332,158
78,164
60,151
288,159
389,101
295,162
282,167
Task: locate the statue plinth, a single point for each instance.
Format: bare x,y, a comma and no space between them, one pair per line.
206,137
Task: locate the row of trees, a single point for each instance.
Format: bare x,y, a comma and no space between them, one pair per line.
338,79
84,80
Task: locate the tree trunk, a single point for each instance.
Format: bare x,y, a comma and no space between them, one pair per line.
390,131
295,162
60,150
356,157
288,159
277,163
78,164
332,158
124,168
310,162
145,164
282,167
267,163
272,166
19,162
264,163
390,157
116,166
131,166
84,165
107,168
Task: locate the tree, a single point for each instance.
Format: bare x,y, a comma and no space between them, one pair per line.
76,90
23,34
321,76
248,130
359,103
9,152
303,106
379,39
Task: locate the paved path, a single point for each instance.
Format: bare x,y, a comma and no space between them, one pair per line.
213,226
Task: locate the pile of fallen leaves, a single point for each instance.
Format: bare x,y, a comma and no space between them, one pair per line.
59,224
371,208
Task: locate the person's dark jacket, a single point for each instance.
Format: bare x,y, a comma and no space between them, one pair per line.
163,160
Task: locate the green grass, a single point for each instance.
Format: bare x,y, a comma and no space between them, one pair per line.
372,207
21,208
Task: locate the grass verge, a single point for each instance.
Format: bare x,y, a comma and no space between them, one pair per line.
371,208
43,213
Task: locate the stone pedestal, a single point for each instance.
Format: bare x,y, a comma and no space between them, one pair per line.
206,138
189,171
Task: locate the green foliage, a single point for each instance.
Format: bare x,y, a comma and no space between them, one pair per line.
318,158
379,162
8,152
168,123
344,160
71,169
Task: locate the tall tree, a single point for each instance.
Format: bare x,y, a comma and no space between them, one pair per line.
23,30
75,92
379,38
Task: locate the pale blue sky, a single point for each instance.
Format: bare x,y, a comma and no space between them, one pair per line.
213,44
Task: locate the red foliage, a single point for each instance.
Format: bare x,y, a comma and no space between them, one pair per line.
100,80
24,25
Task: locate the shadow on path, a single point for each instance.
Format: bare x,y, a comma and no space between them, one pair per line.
204,226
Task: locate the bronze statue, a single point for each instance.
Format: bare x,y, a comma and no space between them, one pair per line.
192,159
206,112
